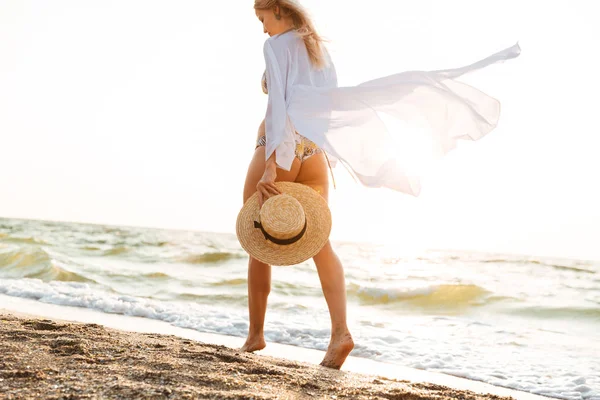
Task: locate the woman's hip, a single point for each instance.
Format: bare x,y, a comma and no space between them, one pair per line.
305,148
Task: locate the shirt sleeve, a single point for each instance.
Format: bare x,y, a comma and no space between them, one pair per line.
279,128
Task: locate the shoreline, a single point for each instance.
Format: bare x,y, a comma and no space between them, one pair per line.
281,366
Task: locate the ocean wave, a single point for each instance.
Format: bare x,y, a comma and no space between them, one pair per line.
295,289
135,276
23,240
567,268
560,267
115,251
156,275
434,296
229,282
35,262
155,244
215,257
90,248
277,286
121,240
186,315
227,298
560,313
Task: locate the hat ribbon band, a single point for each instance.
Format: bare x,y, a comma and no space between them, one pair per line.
281,241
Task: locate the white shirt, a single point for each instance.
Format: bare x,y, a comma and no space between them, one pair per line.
287,67
381,130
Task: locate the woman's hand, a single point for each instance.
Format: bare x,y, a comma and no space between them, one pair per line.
266,186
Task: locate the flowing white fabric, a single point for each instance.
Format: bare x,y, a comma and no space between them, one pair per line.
382,130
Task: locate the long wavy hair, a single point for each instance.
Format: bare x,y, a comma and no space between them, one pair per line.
302,24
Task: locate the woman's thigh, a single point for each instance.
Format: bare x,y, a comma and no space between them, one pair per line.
256,170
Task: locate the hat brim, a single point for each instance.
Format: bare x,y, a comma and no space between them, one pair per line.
318,228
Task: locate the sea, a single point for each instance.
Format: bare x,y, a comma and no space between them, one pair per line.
522,322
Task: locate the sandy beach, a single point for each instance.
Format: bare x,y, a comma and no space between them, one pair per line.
54,359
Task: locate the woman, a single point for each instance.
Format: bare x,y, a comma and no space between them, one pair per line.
308,118
309,166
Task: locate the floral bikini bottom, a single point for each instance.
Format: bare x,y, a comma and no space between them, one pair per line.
304,147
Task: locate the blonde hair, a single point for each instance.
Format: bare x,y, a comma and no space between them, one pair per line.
302,24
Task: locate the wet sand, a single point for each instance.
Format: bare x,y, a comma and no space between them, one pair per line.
53,359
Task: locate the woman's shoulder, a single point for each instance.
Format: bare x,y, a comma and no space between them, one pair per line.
288,35
285,40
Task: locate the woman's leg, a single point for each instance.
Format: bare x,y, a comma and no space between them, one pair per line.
331,275
314,172
259,274
259,287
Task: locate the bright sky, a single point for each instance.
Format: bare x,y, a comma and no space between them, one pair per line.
144,113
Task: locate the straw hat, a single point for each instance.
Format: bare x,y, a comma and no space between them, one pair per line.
289,229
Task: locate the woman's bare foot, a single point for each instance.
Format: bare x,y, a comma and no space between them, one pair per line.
339,347
254,344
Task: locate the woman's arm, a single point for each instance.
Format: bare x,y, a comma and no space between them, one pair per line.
266,186
279,130
280,140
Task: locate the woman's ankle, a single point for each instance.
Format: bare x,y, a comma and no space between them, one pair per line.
256,333
339,329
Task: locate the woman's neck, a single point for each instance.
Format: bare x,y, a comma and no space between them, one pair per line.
286,30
